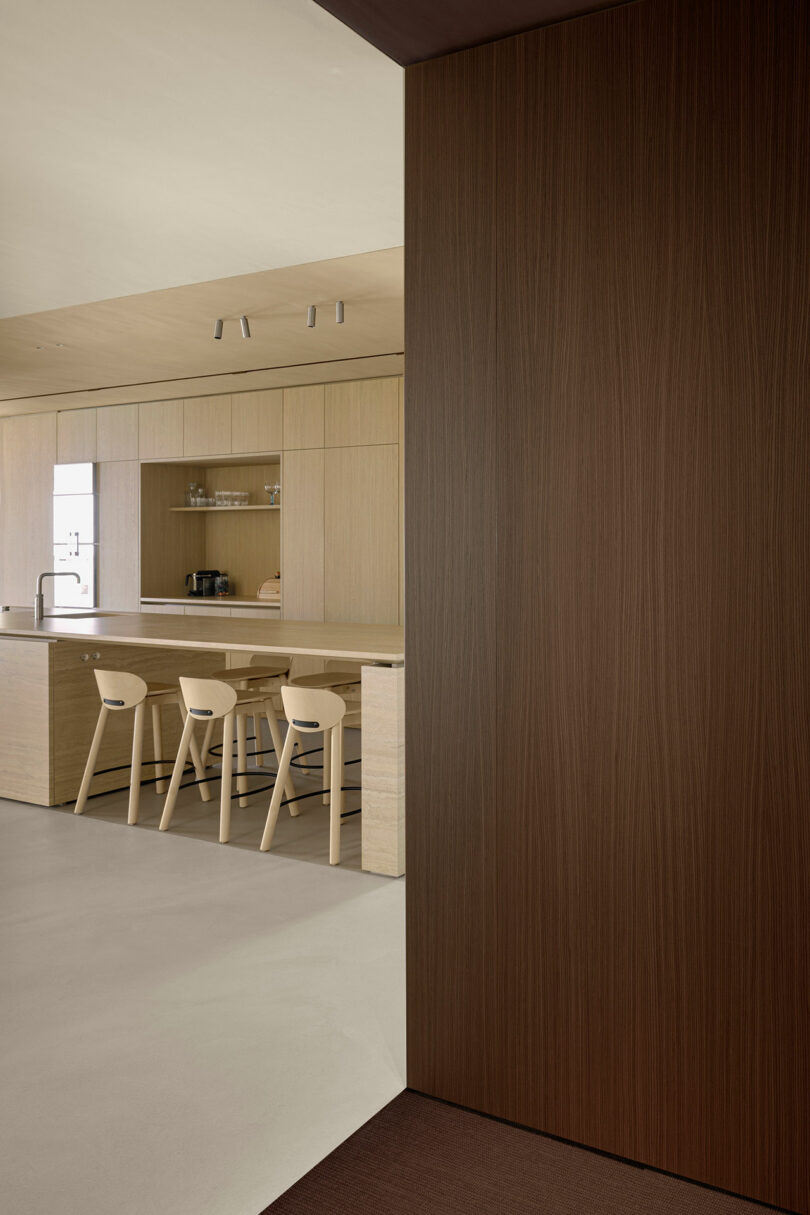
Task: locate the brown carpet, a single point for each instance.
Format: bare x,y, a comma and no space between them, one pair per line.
419,1155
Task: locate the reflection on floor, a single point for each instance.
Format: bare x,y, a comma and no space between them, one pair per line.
187,1027
304,838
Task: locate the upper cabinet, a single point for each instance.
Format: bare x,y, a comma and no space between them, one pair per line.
207,426
303,417
76,436
362,412
117,432
256,421
160,430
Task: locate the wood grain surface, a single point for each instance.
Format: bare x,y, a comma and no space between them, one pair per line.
609,882
424,29
450,544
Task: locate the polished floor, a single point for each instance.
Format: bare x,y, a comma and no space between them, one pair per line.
187,1027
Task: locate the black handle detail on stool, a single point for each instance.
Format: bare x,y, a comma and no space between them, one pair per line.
118,704
308,725
202,712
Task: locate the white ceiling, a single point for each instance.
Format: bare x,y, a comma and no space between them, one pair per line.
148,144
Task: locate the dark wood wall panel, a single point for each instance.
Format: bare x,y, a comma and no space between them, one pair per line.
450,436
643,979
425,29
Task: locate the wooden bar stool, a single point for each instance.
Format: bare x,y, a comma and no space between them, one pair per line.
122,690
262,672
312,711
342,678
212,700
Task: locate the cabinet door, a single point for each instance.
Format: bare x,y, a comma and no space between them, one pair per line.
267,613
303,417
256,421
362,411
206,609
302,535
119,535
76,436
26,513
117,432
160,429
25,721
361,545
164,609
207,426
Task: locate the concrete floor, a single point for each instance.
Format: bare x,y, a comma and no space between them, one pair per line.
187,1027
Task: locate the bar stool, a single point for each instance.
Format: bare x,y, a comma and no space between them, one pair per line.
213,700
259,671
310,711
122,690
338,677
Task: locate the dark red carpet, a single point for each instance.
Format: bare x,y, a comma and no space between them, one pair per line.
419,1155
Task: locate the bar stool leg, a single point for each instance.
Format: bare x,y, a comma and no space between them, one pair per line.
227,769
275,800
278,747
90,766
327,763
209,733
241,758
196,758
177,773
135,773
258,758
157,737
336,798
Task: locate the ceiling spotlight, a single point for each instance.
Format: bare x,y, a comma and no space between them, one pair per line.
339,312
243,321
218,328
311,317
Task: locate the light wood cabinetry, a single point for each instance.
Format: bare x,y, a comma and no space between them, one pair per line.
172,544
76,436
160,430
256,421
206,426
25,720
361,412
302,526
119,535
304,417
117,432
26,520
361,534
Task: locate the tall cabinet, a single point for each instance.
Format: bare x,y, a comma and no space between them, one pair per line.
335,449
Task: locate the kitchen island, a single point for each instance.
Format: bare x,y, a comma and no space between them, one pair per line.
38,662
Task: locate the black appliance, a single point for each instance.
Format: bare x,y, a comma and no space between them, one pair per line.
202,582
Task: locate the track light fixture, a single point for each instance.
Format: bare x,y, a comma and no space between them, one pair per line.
339,312
243,321
218,329
311,317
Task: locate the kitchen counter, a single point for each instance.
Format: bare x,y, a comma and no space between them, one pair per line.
355,642
37,661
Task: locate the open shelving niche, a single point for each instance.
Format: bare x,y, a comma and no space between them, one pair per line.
244,541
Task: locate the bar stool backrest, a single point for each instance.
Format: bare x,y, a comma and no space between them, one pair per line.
312,709
207,698
120,689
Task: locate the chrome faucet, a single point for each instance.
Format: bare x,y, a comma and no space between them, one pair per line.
39,599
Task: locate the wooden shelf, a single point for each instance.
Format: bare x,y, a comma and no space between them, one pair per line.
230,509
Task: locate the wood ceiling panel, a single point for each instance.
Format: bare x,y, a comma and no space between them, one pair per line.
161,344
424,29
